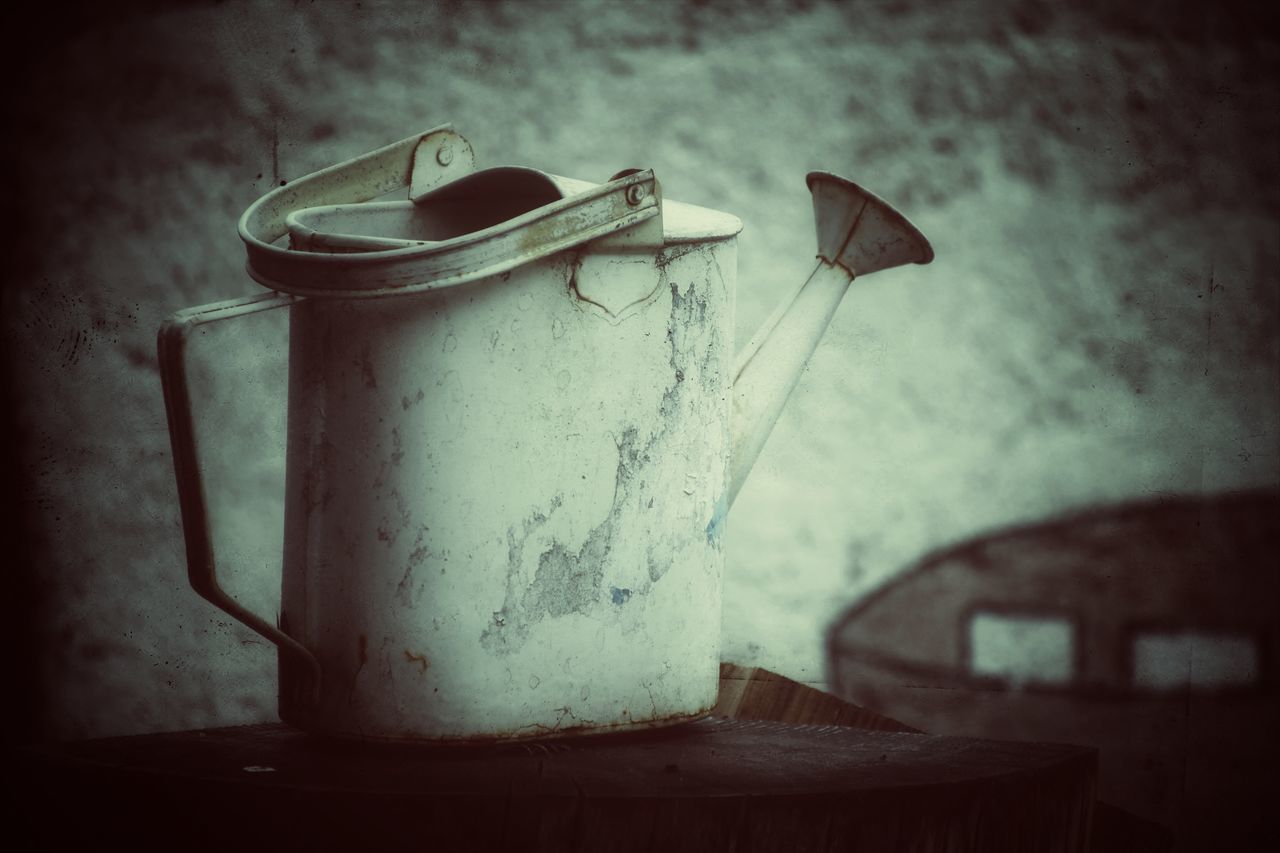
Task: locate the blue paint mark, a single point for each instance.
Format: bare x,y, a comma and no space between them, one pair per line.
715,527
620,596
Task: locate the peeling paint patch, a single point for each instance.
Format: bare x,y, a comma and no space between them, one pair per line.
567,582
675,252
655,569
505,628
402,588
570,580
715,527
388,530
397,452
420,552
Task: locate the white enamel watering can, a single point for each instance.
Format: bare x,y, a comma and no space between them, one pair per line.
515,425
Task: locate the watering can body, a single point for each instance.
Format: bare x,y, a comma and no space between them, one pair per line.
502,501
506,475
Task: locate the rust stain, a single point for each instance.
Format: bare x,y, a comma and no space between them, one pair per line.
420,660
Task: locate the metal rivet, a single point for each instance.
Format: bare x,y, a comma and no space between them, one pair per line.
635,193
445,155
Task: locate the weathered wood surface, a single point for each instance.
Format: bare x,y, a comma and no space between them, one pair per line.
710,785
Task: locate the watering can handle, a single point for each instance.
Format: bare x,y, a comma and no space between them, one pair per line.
421,164
201,570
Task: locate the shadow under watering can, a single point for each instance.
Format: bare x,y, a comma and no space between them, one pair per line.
515,426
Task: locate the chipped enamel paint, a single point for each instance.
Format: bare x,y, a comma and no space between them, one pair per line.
715,527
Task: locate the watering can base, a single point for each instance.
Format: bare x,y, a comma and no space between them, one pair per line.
533,734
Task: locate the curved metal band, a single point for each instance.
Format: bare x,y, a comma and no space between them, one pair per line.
591,214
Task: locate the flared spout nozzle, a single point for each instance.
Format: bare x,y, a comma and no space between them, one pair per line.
858,233
859,230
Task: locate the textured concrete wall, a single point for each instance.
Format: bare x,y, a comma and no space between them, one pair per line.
1100,323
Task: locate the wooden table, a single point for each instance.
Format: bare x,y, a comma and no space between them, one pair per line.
711,785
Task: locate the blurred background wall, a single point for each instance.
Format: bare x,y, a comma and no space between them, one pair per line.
1100,324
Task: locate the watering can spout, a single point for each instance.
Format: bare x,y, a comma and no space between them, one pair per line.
858,233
